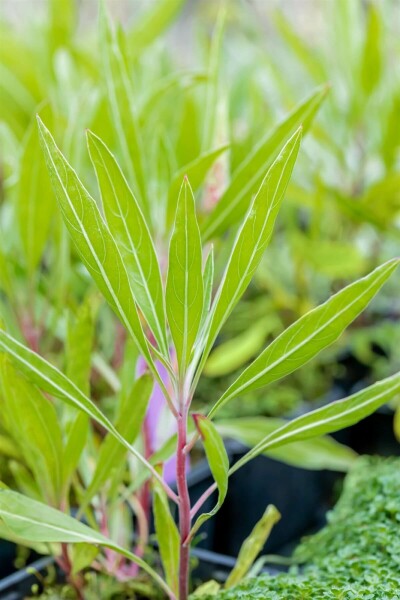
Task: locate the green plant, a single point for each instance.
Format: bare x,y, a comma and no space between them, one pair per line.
356,555
117,267
149,254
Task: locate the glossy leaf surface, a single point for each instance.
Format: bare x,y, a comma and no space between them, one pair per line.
309,335
184,292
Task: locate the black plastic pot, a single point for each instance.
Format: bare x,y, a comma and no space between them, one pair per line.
7,557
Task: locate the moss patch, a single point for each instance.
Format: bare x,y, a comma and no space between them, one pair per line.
355,556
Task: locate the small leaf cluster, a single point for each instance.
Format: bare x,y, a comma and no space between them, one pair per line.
356,555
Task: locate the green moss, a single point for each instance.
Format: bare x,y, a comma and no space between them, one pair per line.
356,556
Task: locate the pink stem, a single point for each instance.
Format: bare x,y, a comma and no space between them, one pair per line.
184,504
202,499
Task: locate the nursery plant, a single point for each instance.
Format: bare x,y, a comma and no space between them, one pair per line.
146,243
119,253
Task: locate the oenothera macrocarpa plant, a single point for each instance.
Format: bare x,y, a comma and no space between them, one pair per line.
176,325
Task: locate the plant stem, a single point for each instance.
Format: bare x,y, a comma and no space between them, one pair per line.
202,499
184,504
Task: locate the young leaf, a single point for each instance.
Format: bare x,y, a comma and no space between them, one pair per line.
213,83
34,425
252,240
126,221
219,465
184,292
77,435
83,556
37,522
111,453
167,537
196,172
119,96
253,545
330,418
92,239
35,202
79,345
316,330
51,380
247,179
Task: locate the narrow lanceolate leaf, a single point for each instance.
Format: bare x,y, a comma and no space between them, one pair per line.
120,100
79,344
330,418
253,545
316,453
37,522
309,335
247,179
252,240
184,293
95,245
167,537
219,465
35,202
129,423
126,221
51,380
32,420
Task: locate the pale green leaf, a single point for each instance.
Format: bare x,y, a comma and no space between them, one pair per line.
35,201
76,438
313,332
253,545
33,423
316,453
167,537
184,292
120,101
247,179
213,81
51,380
79,345
126,221
37,522
219,465
82,556
251,240
95,245
330,418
